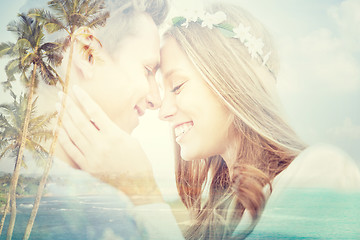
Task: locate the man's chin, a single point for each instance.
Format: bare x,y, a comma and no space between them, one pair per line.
131,127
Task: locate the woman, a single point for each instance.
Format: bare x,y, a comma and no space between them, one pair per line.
219,98
236,157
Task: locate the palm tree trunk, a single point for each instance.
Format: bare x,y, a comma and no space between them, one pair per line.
5,212
15,177
52,148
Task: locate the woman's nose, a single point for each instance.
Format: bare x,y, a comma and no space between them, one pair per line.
168,109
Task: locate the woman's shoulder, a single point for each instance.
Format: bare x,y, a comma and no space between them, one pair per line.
321,166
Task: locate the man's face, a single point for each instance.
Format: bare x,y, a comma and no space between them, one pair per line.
124,85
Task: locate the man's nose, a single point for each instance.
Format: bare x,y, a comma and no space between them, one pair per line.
153,100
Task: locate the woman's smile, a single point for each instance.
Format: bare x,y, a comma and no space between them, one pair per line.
182,129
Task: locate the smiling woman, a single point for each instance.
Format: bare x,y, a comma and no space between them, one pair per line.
235,153
201,124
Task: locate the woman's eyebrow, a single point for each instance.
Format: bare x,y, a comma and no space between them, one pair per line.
169,74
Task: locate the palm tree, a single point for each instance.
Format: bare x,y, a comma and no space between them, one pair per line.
12,121
29,50
74,17
70,16
6,179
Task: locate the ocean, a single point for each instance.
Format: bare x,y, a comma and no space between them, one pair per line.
310,214
76,217
298,214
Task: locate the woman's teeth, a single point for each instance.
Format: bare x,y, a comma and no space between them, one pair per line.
183,128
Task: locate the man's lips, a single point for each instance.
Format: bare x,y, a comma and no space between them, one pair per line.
140,112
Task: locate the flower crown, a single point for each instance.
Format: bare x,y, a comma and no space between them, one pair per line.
217,20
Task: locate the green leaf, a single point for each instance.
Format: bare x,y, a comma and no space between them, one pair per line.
52,27
5,48
177,21
226,29
22,44
225,26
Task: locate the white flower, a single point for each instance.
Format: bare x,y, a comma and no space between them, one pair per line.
242,32
255,46
192,16
266,58
210,20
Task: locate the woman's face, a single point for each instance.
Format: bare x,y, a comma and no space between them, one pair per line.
200,122
124,85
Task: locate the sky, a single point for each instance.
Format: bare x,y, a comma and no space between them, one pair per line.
319,79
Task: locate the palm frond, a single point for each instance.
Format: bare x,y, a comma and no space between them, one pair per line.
38,152
51,23
46,75
53,51
24,77
99,21
65,42
4,124
94,7
6,149
50,47
11,68
39,37
24,24
6,85
28,59
41,123
15,28
41,136
61,9
22,45
6,48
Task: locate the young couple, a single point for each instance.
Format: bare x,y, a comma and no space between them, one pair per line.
236,156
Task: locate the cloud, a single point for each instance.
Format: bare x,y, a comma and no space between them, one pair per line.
324,60
348,130
347,18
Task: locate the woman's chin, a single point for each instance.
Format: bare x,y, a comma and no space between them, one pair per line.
188,156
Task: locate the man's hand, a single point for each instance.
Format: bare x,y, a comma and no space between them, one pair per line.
100,147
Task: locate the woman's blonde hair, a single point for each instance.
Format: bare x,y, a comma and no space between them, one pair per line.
266,143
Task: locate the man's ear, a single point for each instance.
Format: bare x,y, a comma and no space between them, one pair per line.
87,52
82,66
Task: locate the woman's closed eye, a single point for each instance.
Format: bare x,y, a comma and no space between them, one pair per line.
178,88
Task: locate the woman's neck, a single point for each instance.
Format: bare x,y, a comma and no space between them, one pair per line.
230,155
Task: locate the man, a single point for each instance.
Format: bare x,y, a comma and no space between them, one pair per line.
116,67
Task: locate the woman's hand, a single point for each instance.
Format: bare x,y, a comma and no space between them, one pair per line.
100,147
